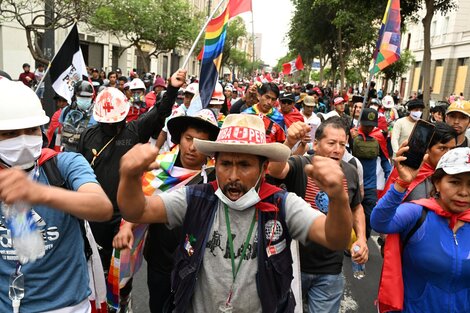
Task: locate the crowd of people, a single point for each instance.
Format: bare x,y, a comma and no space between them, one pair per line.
247,205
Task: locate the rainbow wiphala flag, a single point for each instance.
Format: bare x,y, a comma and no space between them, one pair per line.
388,45
212,56
125,262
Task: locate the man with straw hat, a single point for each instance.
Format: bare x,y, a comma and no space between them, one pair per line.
224,263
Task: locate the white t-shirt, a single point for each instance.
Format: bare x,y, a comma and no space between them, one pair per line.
400,132
215,276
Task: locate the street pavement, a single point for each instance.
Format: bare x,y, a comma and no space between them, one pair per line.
359,295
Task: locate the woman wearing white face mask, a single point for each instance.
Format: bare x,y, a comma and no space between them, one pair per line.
57,280
403,127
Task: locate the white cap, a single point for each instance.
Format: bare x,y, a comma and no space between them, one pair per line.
455,161
388,102
136,83
192,88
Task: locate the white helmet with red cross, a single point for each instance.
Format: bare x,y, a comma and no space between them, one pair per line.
111,106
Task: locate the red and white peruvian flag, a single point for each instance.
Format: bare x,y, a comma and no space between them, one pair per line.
268,77
293,66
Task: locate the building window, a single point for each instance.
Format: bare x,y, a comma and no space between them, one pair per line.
446,25
418,64
433,28
439,62
165,67
462,61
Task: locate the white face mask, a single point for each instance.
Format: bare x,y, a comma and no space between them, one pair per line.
416,115
83,103
21,151
249,199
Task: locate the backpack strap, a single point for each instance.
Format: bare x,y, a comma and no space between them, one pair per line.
53,173
270,127
353,162
418,224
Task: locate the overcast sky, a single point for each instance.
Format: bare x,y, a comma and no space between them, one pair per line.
272,19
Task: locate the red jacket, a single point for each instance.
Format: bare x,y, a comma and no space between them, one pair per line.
292,117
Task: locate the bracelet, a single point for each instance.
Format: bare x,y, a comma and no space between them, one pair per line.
402,183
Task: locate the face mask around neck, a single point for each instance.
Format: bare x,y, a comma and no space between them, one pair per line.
249,199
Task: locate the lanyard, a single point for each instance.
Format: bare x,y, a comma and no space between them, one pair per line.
230,241
97,154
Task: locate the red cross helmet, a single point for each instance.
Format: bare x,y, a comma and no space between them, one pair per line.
111,106
218,95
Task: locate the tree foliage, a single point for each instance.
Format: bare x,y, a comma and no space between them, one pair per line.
400,67
163,24
235,32
342,33
39,16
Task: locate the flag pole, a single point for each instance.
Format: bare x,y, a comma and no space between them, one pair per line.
185,63
53,58
366,93
253,37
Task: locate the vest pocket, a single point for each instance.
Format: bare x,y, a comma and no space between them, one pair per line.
282,271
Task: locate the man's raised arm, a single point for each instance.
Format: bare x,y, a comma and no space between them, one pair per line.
133,204
296,132
334,230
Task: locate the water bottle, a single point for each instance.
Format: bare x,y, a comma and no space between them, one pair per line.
16,290
359,270
27,240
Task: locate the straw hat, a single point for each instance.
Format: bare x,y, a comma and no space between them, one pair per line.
244,133
204,119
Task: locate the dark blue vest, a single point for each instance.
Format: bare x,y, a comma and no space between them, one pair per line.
274,275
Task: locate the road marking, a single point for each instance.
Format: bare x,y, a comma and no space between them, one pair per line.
348,304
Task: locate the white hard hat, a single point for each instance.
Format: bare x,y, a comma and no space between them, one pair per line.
111,106
192,88
388,102
218,95
20,107
136,83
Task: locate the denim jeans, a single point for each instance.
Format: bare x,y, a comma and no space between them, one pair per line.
323,292
368,203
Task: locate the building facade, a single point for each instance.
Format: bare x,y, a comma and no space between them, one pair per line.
450,54
101,50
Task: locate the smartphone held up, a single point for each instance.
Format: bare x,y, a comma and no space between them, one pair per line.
418,142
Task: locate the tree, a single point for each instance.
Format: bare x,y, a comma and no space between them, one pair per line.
432,7
311,32
235,31
409,8
397,69
165,25
40,16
